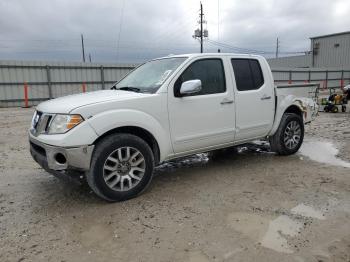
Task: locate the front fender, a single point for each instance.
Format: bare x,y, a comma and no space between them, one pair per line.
109,120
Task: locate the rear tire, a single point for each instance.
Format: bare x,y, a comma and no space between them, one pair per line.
335,109
289,135
121,167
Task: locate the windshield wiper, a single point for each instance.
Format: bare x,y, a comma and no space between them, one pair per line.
129,88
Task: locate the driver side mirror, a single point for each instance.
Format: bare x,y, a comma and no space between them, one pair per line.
191,87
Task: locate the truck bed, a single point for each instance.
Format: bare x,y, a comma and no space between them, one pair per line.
309,90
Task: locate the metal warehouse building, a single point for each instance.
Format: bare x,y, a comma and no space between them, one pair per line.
327,51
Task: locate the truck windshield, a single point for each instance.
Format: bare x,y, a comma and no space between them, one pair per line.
150,76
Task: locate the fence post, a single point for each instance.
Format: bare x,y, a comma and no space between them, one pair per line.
26,105
342,79
290,77
326,82
84,87
102,77
48,76
309,78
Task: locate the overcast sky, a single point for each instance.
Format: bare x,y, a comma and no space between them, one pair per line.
137,30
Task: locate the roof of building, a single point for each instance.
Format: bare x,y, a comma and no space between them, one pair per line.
329,35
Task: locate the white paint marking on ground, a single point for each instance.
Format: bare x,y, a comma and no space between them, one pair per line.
323,152
307,211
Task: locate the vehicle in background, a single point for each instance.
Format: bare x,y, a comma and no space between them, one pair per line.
168,108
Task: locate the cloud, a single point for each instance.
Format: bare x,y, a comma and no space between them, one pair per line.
50,30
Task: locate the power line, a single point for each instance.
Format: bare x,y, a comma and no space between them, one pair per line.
247,50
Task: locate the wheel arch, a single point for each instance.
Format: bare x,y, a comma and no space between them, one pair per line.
295,109
139,132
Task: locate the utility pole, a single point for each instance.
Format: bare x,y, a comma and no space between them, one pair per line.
200,33
82,47
277,47
218,20
201,22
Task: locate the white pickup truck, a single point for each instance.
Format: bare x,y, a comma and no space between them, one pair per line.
165,109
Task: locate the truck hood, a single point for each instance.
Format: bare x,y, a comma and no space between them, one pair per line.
65,104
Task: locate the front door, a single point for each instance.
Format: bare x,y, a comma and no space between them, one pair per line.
205,119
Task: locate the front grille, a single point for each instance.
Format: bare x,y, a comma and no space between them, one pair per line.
42,123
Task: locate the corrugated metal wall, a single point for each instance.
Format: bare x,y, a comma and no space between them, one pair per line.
49,80
330,54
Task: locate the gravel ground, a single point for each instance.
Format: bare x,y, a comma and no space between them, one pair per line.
246,206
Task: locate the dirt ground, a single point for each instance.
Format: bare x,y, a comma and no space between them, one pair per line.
246,206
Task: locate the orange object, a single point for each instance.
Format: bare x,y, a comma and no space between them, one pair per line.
26,95
84,88
341,83
324,84
289,81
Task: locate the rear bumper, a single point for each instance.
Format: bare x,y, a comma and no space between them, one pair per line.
47,156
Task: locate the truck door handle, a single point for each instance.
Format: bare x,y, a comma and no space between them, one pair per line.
265,97
226,101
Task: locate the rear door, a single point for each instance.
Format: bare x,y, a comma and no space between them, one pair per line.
254,99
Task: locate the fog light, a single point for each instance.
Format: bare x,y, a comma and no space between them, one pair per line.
60,158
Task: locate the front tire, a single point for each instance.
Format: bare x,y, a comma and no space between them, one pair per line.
121,167
289,135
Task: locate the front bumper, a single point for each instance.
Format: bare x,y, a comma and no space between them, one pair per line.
47,156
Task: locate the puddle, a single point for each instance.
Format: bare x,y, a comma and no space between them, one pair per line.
323,152
279,228
284,226
307,211
274,232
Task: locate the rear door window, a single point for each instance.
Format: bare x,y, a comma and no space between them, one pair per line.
248,74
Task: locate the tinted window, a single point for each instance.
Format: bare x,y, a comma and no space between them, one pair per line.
248,74
209,71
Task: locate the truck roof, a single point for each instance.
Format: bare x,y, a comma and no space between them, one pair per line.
212,54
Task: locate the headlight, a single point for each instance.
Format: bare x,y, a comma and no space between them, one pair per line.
62,123
35,119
